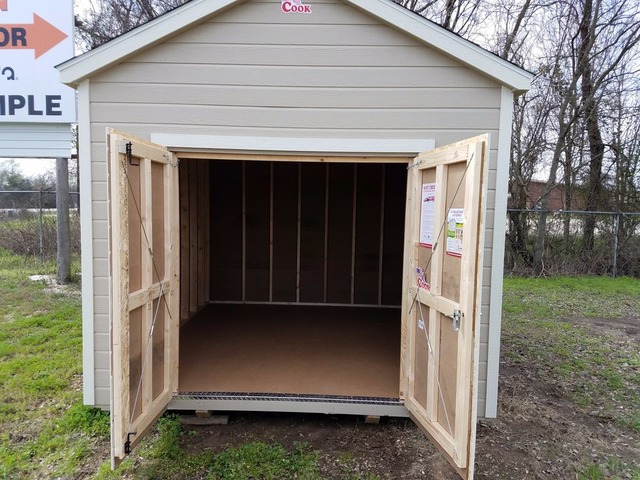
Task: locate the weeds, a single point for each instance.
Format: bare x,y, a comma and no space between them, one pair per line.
32,236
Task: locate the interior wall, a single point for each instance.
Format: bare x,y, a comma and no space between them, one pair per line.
306,232
195,247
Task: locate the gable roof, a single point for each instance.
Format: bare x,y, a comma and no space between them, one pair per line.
79,68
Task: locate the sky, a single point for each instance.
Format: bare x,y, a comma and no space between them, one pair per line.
35,166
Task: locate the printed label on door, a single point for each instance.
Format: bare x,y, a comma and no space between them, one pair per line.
427,213
455,230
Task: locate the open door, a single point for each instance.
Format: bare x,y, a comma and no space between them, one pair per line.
144,255
441,300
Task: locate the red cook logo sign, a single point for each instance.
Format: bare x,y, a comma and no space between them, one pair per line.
294,6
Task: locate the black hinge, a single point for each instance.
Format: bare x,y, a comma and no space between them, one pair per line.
128,149
127,444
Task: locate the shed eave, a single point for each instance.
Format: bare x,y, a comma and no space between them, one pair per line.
79,68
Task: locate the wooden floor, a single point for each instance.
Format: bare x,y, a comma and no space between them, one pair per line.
350,351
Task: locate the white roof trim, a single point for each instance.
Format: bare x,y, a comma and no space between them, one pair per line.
73,71
326,146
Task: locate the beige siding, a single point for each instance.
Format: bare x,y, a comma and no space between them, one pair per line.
253,71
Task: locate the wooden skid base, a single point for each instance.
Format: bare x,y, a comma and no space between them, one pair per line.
204,421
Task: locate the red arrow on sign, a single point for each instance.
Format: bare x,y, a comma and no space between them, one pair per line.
39,36
3,5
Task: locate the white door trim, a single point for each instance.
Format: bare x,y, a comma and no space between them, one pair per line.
262,145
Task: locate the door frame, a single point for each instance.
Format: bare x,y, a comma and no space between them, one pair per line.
409,226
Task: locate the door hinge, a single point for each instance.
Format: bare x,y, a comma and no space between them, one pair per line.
126,148
457,318
127,443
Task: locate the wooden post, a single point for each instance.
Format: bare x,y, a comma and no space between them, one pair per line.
62,217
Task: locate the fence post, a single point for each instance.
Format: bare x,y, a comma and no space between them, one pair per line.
615,245
62,212
40,229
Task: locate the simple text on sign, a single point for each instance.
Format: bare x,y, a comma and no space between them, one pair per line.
46,105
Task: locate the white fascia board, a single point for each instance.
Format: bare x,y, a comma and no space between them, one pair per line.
86,240
389,12
497,260
73,71
327,146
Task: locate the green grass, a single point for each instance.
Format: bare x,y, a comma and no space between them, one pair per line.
598,370
45,431
610,468
260,460
163,457
559,297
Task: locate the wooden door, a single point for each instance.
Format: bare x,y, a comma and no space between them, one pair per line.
442,289
144,255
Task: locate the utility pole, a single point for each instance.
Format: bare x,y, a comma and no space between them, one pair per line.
62,216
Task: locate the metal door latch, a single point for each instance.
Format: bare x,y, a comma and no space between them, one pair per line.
457,318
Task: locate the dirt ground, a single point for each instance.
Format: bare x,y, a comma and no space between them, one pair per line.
539,433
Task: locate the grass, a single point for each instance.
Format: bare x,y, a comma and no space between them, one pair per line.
162,457
46,432
45,429
599,371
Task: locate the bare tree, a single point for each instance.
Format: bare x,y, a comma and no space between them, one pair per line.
107,19
460,16
599,38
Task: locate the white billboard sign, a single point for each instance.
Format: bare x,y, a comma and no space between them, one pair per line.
35,36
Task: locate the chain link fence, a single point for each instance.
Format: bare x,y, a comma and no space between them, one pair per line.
615,250
28,222
28,227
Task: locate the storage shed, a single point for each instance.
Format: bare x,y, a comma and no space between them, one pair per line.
292,206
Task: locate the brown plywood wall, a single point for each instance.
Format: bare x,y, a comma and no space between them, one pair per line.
195,246
293,232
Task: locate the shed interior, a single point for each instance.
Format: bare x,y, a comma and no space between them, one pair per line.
291,277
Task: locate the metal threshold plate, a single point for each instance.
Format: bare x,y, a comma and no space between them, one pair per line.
286,397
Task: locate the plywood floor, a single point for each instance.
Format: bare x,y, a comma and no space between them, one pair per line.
348,351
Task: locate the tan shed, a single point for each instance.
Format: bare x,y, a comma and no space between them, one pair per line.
294,207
